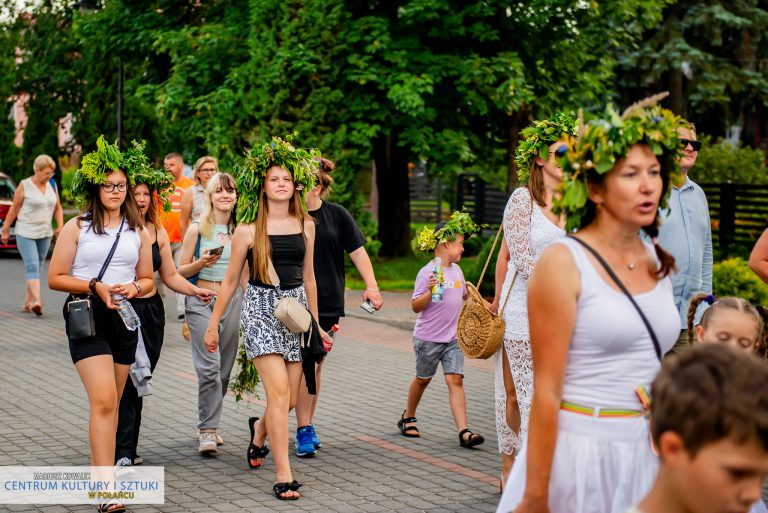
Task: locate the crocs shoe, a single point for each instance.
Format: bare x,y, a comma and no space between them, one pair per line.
315,438
304,445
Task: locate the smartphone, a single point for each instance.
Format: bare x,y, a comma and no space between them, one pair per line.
216,251
368,306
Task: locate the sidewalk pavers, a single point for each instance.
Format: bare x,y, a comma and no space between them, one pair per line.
364,464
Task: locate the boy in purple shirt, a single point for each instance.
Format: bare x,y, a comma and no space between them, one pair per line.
434,336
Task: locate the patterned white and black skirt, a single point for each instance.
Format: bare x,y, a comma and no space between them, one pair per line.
262,332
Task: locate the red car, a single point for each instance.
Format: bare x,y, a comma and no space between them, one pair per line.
7,189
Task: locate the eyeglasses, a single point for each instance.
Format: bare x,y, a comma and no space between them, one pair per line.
110,187
207,170
696,145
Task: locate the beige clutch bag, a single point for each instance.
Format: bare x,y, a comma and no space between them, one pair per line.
289,310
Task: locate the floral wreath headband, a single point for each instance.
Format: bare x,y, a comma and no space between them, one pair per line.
299,162
605,141
97,165
538,137
460,223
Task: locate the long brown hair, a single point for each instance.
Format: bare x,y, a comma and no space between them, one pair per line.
151,217
262,249
94,210
666,260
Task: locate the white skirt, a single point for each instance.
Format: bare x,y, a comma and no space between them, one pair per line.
600,465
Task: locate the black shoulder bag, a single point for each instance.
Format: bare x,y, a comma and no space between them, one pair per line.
616,280
79,311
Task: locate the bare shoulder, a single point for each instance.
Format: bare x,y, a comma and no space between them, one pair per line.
556,263
244,231
309,228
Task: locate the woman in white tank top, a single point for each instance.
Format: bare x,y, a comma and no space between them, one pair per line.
588,448
34,204
103,361
193,205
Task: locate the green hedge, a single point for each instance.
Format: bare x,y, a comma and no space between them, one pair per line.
720,162
733,277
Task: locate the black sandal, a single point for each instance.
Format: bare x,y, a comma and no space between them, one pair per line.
281,488
408,431
472,440
254,451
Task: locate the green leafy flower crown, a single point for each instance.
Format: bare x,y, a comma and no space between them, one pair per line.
97,165
138,168
605,141
260,159
460,223
538,136
94,168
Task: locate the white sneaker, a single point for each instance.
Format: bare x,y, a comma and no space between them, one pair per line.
123,467
207,442
219,439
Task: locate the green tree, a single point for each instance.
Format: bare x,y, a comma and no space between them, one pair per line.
710,56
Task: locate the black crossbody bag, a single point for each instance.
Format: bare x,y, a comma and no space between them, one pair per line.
616,280
79,310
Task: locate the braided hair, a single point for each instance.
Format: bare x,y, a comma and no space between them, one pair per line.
728,303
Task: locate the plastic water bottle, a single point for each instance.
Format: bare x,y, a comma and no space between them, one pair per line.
334,329
126,311
437,289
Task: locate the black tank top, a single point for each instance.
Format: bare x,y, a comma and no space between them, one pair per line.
156,259
287,257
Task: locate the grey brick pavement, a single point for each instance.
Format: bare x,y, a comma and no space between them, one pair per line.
364,465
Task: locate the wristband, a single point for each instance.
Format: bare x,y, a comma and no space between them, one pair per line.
92,284
373,290
138,289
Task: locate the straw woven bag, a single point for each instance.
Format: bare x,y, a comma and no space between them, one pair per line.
479,331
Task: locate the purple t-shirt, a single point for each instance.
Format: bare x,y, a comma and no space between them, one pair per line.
437,322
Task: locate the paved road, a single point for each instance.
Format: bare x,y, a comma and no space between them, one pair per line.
364,465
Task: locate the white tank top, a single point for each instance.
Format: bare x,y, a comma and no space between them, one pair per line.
611,352
34,219
92,251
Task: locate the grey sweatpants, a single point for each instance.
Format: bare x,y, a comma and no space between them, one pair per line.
213,369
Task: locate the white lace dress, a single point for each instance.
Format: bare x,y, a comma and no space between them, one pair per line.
527,231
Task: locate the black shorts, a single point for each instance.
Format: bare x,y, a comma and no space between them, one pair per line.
327,322
112,337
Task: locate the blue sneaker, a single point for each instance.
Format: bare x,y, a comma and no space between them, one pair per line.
315,438
304,445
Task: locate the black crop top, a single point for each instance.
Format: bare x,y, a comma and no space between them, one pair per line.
156,258
287,257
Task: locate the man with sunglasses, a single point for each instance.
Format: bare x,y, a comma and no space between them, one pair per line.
686,232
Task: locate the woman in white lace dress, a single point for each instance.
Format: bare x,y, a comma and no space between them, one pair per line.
529,227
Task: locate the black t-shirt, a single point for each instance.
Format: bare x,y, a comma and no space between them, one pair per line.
335,233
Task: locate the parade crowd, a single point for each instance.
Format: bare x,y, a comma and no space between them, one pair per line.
622,384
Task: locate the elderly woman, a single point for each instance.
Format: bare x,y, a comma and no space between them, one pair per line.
36,201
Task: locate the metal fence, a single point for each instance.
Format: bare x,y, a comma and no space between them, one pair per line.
739,215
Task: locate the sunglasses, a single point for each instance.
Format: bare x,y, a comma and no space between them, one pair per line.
696,145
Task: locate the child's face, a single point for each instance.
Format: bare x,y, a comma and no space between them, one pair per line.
452,250
723,477
731,327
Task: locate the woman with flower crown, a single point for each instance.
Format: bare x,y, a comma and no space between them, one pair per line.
275,238
151,190
529,227
601,314
84,266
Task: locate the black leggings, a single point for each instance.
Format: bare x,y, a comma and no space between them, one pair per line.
152,315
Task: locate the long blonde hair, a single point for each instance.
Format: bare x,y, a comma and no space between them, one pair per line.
262,249
225,181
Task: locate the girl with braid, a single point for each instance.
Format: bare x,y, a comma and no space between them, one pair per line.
733,321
